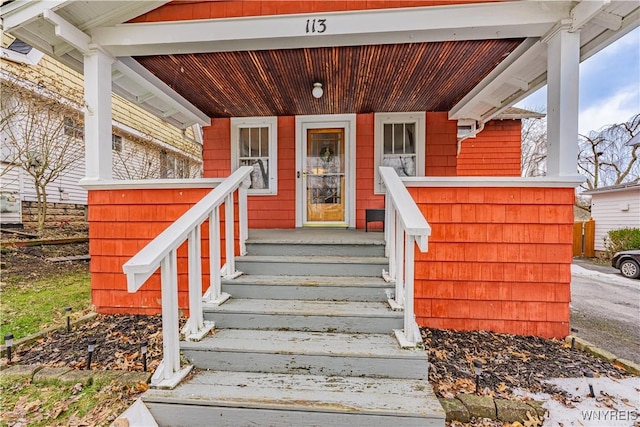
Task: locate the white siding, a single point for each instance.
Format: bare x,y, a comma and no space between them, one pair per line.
10,182
67,182
608,215
136,161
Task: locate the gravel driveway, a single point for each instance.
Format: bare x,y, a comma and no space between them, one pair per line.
605,308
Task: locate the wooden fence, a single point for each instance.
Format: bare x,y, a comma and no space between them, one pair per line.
584,237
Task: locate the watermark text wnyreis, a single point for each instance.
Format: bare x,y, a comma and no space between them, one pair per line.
610,415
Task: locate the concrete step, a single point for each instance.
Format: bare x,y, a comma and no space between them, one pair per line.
312,265
331,288
318,316
224,398
315,353
316,249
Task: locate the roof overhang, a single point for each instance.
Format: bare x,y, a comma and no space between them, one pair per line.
63,29
59,29
600,23
630,186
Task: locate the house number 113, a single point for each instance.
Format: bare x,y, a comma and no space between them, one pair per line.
316,26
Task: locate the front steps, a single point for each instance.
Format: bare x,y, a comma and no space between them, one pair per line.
318,316
306,339
218,398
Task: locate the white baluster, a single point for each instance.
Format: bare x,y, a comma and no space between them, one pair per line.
196,328
399,267
388,212
229,236
214,294
168,374
411,331
242,215
390,225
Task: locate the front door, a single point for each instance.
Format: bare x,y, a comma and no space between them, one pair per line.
324,177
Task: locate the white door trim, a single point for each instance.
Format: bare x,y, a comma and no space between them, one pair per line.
346,122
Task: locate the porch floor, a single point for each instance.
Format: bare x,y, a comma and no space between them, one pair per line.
316,236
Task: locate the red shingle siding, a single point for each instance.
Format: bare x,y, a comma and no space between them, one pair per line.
216,149
365,165
496,151
499,259
181,10
121,223
441,145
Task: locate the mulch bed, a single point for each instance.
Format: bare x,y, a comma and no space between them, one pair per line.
509,362
117,347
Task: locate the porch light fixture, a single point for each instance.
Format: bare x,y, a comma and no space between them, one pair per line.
317,90
477,367
90,349
8,342
68,310
144,347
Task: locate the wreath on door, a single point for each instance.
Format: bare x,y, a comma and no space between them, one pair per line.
327,154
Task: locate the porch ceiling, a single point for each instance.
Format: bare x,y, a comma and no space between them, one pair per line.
356,79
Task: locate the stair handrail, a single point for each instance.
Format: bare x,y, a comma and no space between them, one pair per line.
161,253
404,225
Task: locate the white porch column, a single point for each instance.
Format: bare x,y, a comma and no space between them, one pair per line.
97,117
563,62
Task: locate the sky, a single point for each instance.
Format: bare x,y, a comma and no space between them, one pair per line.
609,86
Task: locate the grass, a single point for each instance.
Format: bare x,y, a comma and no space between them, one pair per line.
26,306
45,405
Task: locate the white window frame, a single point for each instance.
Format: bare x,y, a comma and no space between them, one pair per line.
418,118
271,123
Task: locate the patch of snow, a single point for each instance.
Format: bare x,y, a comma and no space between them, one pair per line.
611,278
616,403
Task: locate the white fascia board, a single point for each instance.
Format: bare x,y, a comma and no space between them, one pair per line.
528,50
143,77
21,13
148,184
585,11
420,24
32,58
488,181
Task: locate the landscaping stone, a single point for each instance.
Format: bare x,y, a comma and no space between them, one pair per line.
455,410
512,410
106,376
130,377
19,372
49,375
479,406
629,366
587,347
75,377
537,408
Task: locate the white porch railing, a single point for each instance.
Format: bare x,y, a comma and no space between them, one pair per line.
161,253
404,225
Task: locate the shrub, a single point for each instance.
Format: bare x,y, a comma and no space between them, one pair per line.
622,239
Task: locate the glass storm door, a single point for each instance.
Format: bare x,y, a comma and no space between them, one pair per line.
325,176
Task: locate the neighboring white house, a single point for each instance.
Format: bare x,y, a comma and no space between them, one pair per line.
143,145
614,207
